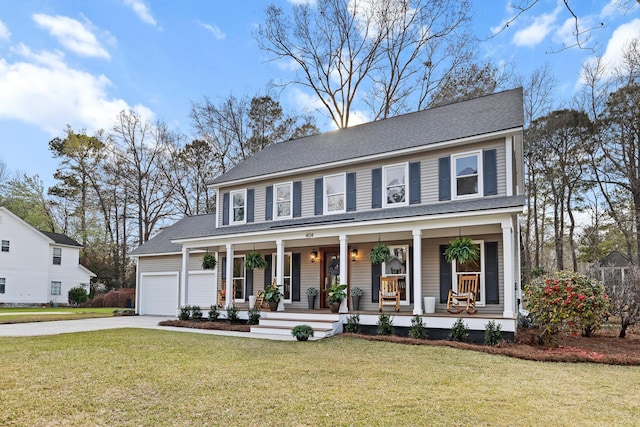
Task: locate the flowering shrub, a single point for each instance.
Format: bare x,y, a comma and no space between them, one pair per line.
566,302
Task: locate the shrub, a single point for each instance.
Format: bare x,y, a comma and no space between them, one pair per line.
492,333
417,330
232,314
77,295
385,324
302,332
566,301
185,313
98,301
254,316
459,331
353,324
213,313
196,313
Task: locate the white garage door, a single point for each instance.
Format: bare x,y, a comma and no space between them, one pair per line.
159,294
202,289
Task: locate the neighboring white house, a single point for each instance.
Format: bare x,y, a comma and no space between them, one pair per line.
37,267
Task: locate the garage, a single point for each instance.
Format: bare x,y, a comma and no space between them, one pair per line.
201,289
159,294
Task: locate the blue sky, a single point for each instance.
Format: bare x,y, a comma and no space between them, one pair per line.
81,62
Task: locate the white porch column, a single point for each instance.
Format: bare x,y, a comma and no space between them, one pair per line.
344,265
507,255
417,272
280,270
228,301
184,288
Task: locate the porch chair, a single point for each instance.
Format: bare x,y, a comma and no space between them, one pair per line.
466,294
260,302
389,293
222,293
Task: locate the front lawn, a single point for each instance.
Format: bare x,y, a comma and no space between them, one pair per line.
160,378
44,314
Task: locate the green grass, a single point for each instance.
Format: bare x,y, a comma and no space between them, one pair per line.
37,314
136,377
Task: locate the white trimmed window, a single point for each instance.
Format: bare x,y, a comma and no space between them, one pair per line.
239,277
472,267
467,175
56,288
282,200
3,282
398,266
334,193
286,278
5,246
57,256
395,184
238,202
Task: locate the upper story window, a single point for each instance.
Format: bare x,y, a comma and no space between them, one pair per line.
334,193
467,175
57,256
5,246
3,282
395,185
282,200
56,288
238,203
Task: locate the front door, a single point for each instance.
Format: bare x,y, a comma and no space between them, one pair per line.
330,273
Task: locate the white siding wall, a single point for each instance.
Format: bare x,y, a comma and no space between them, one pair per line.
68,273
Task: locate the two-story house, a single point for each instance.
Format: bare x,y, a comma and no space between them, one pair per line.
316,206
37,267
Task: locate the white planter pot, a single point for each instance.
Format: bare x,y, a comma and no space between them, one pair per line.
429,304
252,301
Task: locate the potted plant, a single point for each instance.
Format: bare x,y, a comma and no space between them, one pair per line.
254,260
302,332
311,297
461,250
208,261
380,253
356,293
272,296
336,294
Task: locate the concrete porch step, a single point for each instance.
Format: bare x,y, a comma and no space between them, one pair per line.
314,323
318,333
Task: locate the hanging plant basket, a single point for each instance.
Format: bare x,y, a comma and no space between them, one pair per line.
209,261
254,260
380,253
462,250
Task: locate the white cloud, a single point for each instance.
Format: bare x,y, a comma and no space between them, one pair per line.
43,90
141,9
310,2
536,32
5,34
72,34
213,29
621,35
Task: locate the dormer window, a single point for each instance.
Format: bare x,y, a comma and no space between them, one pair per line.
395,185
467,175
334,193
238,203
282,200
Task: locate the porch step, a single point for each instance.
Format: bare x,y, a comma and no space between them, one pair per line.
318,333
281,323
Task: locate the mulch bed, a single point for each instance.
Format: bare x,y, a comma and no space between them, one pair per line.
604,347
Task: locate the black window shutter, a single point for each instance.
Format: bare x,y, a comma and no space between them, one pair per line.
250,198
268,203
376,189
490,172
225,209
410,284
267,271
297,199
223,262
249,284
376,272
445,276
491,274
295,277
444,178
414,183
318,196
351,192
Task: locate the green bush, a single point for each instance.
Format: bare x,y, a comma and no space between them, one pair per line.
353,324
77,295
417,330
566,302
302,332
185,313
196,313
492,333
233,315
385,324
459,331
254,316
213,313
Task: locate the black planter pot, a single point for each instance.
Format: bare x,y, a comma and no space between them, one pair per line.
311,299
335,307
302,337
355,302
273,306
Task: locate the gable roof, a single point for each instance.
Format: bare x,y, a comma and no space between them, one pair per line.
61,239
492,113
202,225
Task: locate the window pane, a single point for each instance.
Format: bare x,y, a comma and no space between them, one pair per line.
238,214
335,203
468,185
334,184
395,194
467,166
283,193
2,283
238,200
5,246
284,209
238,267
397,264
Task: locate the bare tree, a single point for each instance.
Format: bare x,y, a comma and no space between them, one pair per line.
624,296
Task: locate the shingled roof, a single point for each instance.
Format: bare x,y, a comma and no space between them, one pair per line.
200,225
478,116
61,239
